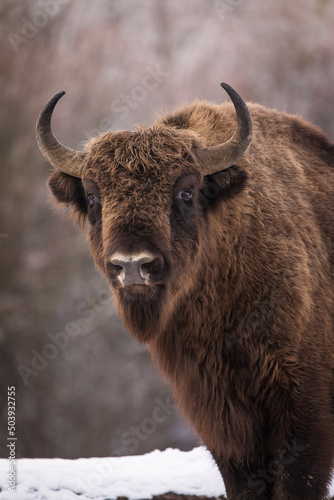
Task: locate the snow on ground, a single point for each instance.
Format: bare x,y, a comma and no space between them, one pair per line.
137,477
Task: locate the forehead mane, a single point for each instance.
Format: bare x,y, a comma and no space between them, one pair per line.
144,151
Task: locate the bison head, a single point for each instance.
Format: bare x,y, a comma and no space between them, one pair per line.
148,196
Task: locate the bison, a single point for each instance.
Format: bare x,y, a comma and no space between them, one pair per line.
215,230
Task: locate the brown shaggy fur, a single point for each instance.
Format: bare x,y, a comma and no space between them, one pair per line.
243,324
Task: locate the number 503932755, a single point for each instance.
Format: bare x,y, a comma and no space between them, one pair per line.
11,411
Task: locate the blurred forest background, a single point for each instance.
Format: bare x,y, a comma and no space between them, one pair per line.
84,387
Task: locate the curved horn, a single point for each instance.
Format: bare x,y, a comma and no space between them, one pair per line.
223,156
65,159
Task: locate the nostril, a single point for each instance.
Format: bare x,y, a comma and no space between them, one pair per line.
114,269
153,267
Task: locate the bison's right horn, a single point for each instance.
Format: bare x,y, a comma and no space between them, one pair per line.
223,156
67,160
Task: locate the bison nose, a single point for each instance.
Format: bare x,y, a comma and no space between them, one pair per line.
141,269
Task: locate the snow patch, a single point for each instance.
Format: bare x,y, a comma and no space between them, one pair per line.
136,477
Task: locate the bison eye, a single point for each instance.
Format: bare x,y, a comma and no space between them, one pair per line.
186,195
92,199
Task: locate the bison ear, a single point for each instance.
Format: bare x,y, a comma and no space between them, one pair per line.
224,185
69,190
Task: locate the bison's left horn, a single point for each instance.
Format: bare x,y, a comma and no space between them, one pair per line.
65,159
223,156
